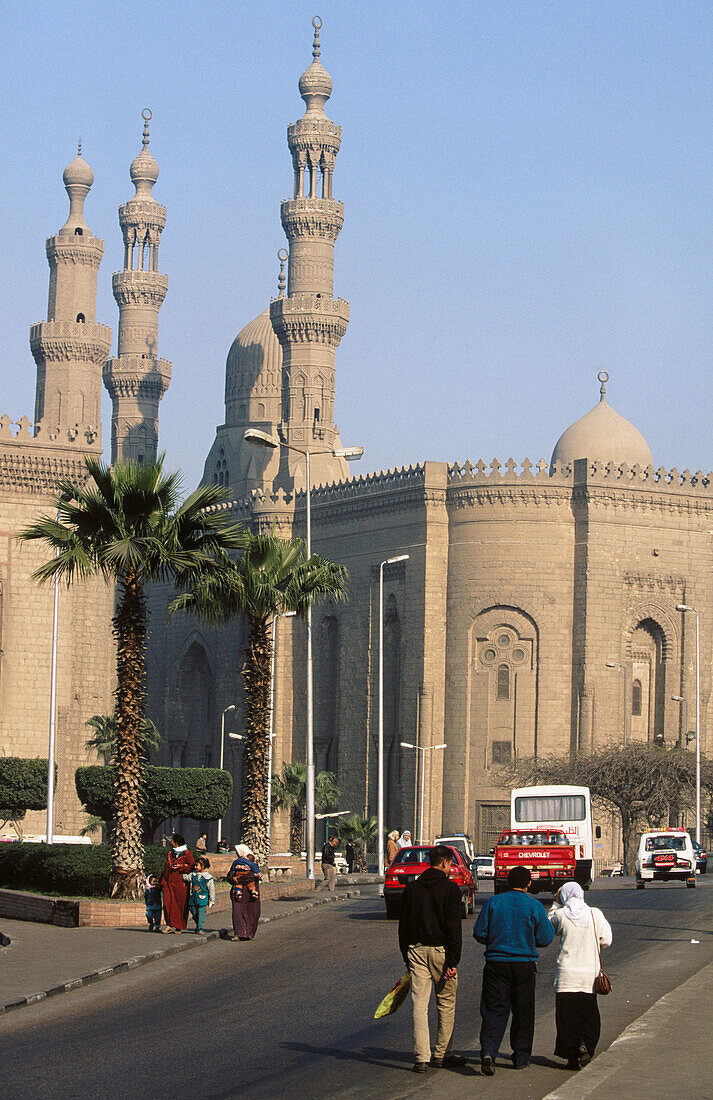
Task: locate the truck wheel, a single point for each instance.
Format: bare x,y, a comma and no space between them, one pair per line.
641,886
691,883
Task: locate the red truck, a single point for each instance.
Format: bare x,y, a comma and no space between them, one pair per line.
547,854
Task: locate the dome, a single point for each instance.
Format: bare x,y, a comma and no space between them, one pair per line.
78,172
143,172
254,360
602,435
315,83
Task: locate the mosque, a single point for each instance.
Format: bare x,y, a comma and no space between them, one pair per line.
533,606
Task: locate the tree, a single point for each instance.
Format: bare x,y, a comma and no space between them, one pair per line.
289,792
640,781
363,833
271,576
127,524
104,739
23,787
202,794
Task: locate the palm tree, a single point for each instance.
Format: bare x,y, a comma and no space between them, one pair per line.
289,792
272,576
128,525
104,739
362,831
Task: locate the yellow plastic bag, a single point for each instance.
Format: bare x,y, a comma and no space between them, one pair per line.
394,998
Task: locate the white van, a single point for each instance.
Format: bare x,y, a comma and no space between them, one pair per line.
665,854
461,841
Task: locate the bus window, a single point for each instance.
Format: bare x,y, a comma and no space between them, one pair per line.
568,807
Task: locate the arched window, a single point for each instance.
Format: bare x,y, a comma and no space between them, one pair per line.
79,232
636,698
503,682
80,318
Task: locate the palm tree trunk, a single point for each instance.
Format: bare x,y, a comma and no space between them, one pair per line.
296,830
127,850
256,678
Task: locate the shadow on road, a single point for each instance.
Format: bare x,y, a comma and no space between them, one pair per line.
373,1056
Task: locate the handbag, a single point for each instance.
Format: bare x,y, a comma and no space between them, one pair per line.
602,982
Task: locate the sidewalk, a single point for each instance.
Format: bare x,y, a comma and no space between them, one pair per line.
666,1052
43,960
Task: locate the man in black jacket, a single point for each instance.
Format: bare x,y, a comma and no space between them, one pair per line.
430,938
329,869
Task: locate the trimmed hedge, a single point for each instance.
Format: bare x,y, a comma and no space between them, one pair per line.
202,794
69,870
23,786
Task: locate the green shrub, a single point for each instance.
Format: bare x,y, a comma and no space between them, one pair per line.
69,870
202,794
23,786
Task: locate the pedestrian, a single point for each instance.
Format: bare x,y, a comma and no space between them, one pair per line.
512,926
404,840
202,892
350,856
179,862
583,930
392,846
152,897
431,939
329,869
244,879
201,843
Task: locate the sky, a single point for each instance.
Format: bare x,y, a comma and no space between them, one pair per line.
527,202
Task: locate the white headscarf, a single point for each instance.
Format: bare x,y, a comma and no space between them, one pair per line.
242,850
576,908
394,834
403,842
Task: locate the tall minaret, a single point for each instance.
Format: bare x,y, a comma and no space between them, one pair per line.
137,379
69,347
310,322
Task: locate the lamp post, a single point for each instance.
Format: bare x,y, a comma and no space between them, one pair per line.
236,737
622,668
53,712
262,439
683,735
422,749
684,607
380,756
285,615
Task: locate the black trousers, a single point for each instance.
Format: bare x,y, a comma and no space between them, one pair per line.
578,1022
508,988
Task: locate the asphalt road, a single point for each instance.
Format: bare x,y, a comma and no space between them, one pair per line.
291,1014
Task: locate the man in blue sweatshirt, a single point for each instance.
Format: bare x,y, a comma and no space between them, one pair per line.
512,926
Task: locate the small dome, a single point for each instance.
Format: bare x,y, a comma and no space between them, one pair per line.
255,352
604,436
315,83
143,172
78,172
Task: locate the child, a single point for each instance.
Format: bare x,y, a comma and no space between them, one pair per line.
202,889
244,876
152,897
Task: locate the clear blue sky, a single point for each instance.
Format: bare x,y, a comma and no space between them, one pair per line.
527,189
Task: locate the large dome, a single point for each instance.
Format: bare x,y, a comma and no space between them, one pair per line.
254,361
602,435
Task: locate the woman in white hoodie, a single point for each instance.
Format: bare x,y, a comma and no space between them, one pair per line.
583,930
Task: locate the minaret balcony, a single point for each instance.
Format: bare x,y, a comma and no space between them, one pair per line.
65,341
139,287
312,217
136,377
73,249
309,318
322,128
142,214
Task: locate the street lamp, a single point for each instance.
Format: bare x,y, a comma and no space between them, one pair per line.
622,668
424,750
684,607
380,764
684,732
262,439
285,615
236,737
53,711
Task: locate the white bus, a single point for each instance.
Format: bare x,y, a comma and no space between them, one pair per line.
558,807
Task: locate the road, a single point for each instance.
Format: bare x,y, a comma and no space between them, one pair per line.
291,1014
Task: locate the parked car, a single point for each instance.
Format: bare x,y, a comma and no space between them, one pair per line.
665,854
701,857
409,863
483,866
461,841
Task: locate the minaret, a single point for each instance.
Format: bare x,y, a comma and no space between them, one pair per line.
310,322
137,379
69,348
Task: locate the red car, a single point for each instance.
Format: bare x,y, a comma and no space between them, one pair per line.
410,863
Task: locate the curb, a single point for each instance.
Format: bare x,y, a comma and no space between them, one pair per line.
629,1045
153,956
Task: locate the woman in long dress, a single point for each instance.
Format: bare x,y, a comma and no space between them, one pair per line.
583,931
244,879
179,862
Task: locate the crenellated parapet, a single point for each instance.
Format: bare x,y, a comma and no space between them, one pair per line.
66,341
309,319
313,217
139,288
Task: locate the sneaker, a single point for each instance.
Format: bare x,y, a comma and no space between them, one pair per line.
487,1067
450,1061
583,1057
420,1067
